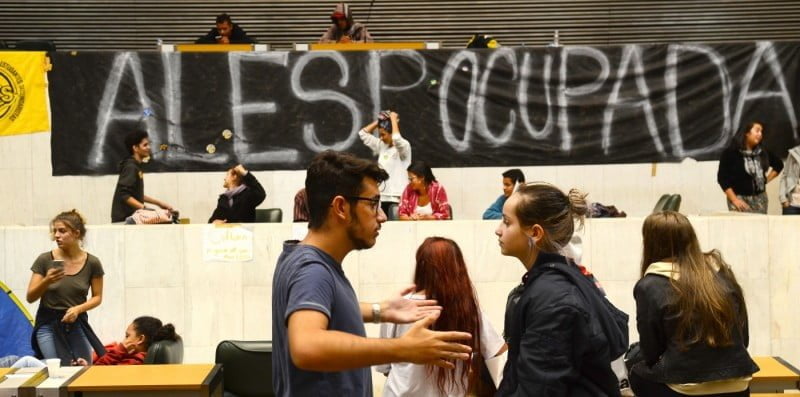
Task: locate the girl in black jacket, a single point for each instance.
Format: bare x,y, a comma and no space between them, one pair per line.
562,333
691,317
242,195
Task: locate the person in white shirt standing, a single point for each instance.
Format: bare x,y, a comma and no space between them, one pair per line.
394,155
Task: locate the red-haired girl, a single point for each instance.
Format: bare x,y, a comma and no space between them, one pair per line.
441,274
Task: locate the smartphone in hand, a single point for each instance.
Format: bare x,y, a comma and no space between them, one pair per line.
57,264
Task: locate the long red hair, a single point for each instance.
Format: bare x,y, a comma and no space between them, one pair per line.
442,274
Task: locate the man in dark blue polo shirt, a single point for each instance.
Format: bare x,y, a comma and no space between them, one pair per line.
319,343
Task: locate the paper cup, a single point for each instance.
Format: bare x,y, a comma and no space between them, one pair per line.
53,366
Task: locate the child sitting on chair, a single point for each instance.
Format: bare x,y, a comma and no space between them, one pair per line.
139,335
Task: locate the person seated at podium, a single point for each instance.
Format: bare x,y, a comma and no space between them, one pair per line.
424,197
239,201
511,179
226,32
343,29
140,334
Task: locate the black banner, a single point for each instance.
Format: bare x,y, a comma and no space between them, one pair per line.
509,106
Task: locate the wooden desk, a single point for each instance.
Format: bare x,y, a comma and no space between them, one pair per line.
179,380
4,371
775,376
57,386
22,382
213,47
408,45
770,395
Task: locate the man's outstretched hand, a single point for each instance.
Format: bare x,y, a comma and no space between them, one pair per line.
400,310
420,345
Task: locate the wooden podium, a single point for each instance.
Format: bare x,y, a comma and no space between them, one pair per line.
775,376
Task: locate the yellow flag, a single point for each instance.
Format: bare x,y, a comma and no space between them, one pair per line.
23,92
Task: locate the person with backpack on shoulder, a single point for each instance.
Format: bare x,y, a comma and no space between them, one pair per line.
562,333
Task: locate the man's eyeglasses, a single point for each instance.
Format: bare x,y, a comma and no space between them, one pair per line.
375,202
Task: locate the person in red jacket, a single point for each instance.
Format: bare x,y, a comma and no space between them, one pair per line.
139,335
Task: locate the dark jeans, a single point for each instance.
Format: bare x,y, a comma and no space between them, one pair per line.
791,210
645,388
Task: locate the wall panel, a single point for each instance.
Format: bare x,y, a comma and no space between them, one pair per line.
137,24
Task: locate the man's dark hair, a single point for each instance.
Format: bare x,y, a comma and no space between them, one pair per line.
134,138
332,174
515,174
224,18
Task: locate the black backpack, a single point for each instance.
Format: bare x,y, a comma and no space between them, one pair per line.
613,321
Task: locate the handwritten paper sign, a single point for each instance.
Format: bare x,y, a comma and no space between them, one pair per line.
227,243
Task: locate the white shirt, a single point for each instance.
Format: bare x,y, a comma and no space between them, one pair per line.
407,379
424,209
394,159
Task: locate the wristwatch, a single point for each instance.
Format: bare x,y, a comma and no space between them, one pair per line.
376,313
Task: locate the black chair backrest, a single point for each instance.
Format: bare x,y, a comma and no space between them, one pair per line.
269,215
660,203
165,352
246,367
673,203
394,212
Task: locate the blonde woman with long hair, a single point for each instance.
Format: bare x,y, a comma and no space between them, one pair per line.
691,317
